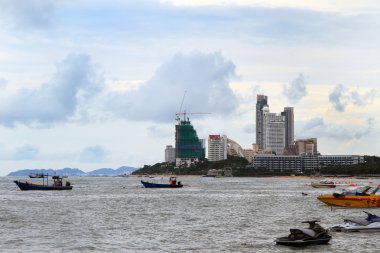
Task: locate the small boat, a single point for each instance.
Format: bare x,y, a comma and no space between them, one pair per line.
37,175
369,224
172,184
57,184
300,237
360,197
323,184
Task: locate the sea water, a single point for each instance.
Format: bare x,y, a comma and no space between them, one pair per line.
114,214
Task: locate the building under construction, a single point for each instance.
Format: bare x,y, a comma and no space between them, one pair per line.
187,143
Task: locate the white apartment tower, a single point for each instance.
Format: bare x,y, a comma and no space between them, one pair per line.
274,131
169,154
217,147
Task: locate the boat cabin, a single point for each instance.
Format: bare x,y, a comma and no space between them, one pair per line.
58,181
173,181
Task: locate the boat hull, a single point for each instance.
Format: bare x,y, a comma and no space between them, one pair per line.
351,201
323,185
302,243
154,185
363,229
37,187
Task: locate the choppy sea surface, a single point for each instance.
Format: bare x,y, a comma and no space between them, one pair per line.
114,214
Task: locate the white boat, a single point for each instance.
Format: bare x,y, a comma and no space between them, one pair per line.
323,184
369,224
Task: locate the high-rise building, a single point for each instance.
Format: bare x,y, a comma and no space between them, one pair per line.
262,101
217,147
187,143
289,125
169,154
274,131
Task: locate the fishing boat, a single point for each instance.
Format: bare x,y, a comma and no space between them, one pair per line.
58,184
37,175
172,184
359,197
323,184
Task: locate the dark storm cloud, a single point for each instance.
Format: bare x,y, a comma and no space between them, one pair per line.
296,90
205,77
55,101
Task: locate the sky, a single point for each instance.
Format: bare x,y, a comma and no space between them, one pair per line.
96,84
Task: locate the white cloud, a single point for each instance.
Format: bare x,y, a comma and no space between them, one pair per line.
317,127
20,14
205,77
26,152
296,90
56,101
93,154
341,96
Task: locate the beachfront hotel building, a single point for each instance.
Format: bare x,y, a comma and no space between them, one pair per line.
217,147
302,162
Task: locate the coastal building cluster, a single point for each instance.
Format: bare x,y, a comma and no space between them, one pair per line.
275,147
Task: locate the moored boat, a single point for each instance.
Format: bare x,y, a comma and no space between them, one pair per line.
300,237
369,224
58,184
362,197
172,184
323,184
37,175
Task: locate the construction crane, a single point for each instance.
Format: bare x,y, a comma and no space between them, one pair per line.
178,114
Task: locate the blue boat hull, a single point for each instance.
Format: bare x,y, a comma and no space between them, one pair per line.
38,187
154,185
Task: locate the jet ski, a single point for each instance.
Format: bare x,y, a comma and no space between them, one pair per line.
369,224
299,237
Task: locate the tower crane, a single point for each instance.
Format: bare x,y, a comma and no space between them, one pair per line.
178,114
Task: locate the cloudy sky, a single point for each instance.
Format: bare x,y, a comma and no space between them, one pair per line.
91,84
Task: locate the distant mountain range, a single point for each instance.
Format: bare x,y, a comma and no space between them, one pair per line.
75,172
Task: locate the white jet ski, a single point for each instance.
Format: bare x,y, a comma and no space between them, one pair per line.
369,224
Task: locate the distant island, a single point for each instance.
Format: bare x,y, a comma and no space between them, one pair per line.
75,172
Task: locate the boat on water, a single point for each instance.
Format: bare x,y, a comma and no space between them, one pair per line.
172,184
369,224
353,197
37,175
323,184
299,237
58,184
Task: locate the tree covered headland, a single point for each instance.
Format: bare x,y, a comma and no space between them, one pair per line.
241,168
370,167
200,168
